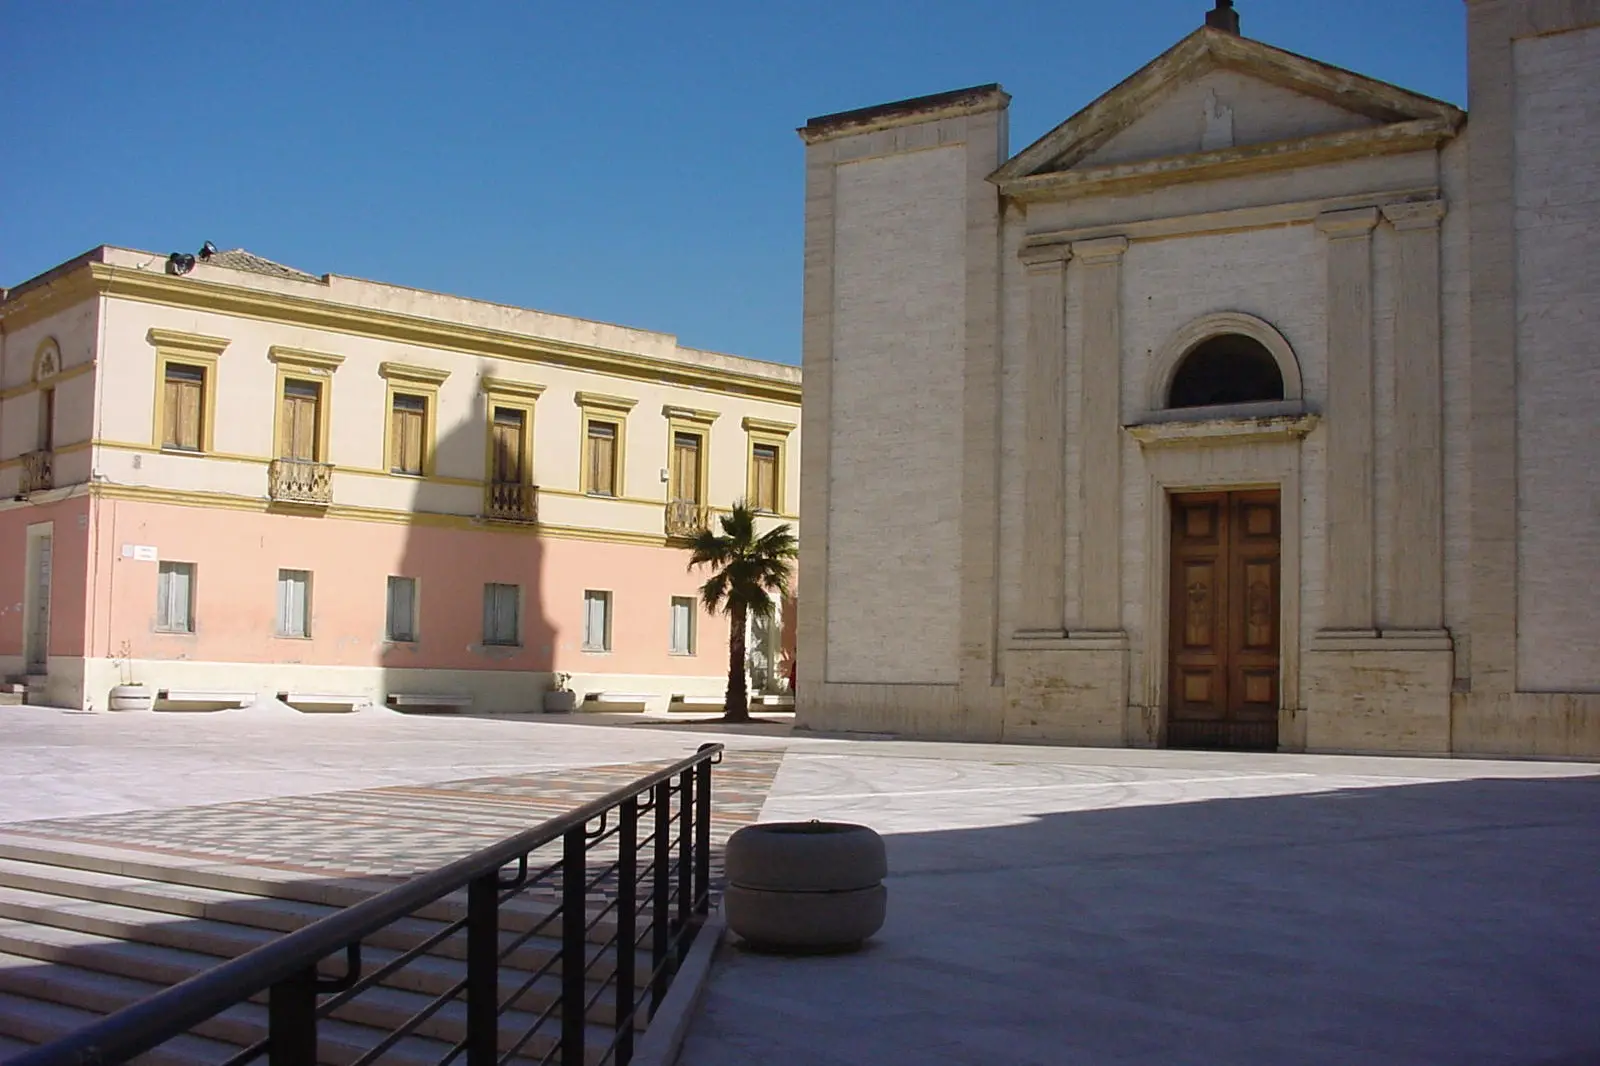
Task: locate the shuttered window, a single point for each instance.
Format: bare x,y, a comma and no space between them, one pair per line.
596,621
602,445
764,475
400,622
407,422
500,614
302,404
184,392
509,426
294,603
682,625
175,597
686,467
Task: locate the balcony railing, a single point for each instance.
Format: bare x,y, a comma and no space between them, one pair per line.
511,501
38,472
686,518
300,481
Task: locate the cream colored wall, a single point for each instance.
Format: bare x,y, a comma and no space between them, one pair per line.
74,331
245,410
895,504
1557,174
1261,112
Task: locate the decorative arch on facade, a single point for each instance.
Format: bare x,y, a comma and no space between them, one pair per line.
46,360
1170,359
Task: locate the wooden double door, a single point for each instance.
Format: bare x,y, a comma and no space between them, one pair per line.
1224,611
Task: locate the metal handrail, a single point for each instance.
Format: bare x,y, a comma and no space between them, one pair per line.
145,1025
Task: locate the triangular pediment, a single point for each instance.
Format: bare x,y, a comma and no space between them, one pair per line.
1215,97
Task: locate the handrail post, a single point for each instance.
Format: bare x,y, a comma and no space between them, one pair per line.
483,970
627,925
574,915
292,1019
685,867
661,883
702,839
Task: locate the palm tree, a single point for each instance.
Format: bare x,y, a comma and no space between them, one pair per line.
745,571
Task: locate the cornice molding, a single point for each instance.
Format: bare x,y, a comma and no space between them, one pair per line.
1395,139
323,362
526,390
188,343
689,414
767,425
600,401
425,375
1416,214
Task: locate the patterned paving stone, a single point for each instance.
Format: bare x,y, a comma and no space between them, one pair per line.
397,832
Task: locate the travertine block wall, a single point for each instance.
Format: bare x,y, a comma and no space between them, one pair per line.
895,507
1558,359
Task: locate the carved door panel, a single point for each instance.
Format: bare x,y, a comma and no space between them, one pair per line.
1222,686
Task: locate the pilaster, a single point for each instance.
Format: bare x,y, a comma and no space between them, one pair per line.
1416,522
1100,426
1044,427
1349,573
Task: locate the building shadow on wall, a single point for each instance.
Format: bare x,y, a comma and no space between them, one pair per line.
472,563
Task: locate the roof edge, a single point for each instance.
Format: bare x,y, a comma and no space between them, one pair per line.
972,100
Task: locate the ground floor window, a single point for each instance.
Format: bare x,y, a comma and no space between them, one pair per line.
400,623
175,598
294,603
501,622
682,625
596,621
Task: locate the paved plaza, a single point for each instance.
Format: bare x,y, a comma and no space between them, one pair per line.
1047,905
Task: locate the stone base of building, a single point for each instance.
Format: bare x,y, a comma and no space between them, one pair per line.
922,712
1377,694
1068,691
85,684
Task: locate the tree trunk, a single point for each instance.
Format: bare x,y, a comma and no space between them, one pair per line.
736,706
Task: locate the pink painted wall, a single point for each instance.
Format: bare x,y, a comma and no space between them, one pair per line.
238,553
68,587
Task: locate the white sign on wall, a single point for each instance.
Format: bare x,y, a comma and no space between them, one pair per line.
144,553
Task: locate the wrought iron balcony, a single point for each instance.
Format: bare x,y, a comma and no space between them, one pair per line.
38,472
300,481
511,501
686,518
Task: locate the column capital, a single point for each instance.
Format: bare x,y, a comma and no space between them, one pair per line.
1418,214
1339,225
1100,249
1045,254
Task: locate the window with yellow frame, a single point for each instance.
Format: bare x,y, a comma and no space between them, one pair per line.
604,444
184,418
304,396
411,417
767,465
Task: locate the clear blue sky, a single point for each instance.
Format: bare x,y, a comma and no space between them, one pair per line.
627,162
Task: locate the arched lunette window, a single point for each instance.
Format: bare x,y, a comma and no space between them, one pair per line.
1227,369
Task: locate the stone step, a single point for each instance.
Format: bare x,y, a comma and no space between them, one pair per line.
12,699
29,1021
245,882
240,1025
213,912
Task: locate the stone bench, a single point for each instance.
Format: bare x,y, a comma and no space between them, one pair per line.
679,703
449,702
617,701
322,702
194,699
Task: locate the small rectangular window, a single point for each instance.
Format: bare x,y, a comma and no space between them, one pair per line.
596,621
408,422
683,618
294,603
183,406
47,419
602,444
302,420
400,623
175,597
500,614
764,477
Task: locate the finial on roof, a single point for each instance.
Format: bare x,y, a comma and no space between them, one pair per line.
1223,17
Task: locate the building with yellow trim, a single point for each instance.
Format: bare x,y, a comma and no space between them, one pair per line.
232,481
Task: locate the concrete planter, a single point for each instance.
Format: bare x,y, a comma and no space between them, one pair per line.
560,702
801,887
131,698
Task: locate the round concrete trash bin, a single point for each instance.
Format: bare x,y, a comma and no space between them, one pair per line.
803,887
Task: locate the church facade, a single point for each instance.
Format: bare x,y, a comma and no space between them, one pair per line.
1253,406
